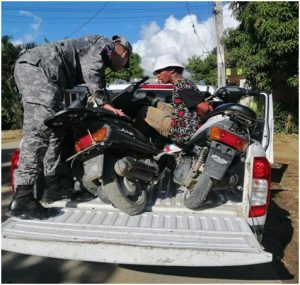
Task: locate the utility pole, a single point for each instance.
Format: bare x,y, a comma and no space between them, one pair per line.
220,46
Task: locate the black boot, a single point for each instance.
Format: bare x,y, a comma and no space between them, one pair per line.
55,191
25,206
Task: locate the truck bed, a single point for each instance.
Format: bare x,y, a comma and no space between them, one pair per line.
167,234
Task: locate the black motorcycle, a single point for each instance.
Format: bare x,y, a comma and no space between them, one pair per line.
121,164
112,158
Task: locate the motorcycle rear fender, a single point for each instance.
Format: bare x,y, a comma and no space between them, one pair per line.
218,160
120,138
210,122
93,167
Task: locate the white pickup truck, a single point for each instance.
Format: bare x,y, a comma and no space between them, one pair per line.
168,234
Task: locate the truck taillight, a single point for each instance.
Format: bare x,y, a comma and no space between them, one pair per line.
13,166
261,182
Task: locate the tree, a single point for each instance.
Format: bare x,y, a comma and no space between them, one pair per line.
265,46
134,70
203,69
11,107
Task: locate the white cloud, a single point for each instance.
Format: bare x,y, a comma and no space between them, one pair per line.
177,37
34,27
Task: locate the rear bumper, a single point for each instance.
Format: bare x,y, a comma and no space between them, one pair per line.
130,254
185,239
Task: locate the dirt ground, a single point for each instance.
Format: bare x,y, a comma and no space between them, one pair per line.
281,230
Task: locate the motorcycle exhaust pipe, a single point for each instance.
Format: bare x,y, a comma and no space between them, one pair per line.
133,169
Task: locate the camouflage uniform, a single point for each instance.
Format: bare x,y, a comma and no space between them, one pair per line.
41,75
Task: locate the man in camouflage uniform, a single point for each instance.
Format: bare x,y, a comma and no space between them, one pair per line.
42,74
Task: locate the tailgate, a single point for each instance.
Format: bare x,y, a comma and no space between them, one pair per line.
152,238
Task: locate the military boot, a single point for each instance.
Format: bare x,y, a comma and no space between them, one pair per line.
55,191
25,206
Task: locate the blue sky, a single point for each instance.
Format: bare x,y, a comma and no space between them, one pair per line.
154,28
57,20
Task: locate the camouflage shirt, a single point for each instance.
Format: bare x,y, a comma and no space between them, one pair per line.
72,62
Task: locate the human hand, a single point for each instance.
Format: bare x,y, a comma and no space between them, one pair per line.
109,107
203,109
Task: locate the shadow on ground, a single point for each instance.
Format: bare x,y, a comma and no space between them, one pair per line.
278,230
277,172
277,235
51,270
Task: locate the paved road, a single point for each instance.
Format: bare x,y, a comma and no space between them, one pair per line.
18,268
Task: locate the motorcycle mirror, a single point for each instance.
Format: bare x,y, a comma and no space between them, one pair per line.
131,88
144,79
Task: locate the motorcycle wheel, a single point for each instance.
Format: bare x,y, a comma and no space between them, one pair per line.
102,196
130,201
194,197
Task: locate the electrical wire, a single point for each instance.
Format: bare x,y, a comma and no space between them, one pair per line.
186,43
205,26
115,9
200,42
101,9
18,18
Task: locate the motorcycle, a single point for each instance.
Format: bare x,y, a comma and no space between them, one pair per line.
215,152
102,139
121,165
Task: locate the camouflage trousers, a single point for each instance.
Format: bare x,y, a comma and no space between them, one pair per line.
40,146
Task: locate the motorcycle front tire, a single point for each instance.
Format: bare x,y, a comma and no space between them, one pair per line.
193,198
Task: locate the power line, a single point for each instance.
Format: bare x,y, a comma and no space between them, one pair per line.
99,18
89,9
205,26
187,42
198,38
59,14
75,21
88,20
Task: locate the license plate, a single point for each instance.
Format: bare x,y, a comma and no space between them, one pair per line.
218,160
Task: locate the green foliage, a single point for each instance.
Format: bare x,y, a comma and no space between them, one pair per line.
203,69
285,121
134,70
265,45
11,108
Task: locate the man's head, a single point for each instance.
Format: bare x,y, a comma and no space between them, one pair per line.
168,69
121,53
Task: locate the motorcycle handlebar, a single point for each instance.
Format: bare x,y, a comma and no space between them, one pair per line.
82,99
252,92
144,79
79,102
226,91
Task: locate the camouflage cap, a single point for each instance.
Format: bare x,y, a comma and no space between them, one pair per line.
123,42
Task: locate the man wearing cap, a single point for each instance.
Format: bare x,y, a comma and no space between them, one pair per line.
42,74
180,120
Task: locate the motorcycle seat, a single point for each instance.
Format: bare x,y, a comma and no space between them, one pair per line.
234,109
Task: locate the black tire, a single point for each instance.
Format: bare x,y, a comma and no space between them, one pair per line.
129,204
102,196
194,197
